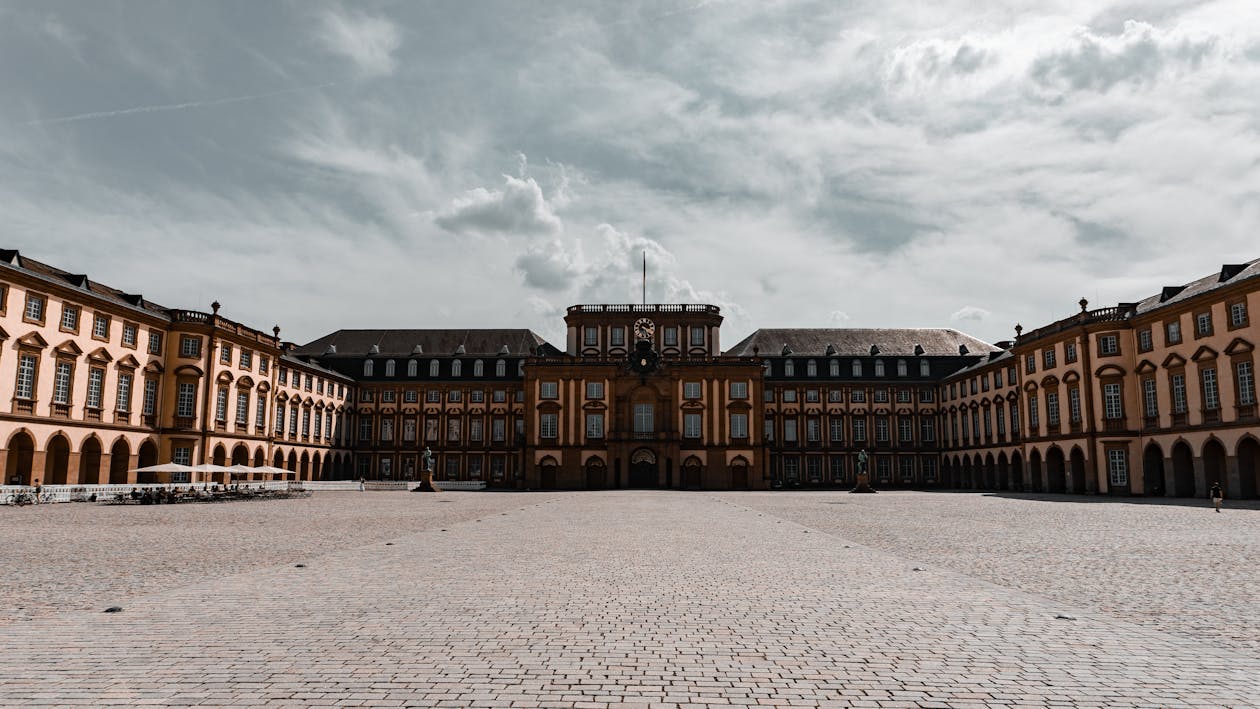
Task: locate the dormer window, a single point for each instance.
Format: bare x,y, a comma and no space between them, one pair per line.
879,367
857,368
834,367
901,368
389,368
433,368
925,368
500,368
789,368
457,368
811,368
413,367
367,368
479,369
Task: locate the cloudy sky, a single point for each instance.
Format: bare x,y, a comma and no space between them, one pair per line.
485,164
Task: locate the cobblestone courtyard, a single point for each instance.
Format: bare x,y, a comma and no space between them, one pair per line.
511,599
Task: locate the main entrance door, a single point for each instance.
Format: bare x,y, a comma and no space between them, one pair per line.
643,471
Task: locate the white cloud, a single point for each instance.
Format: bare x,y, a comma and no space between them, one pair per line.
370,42
519,208
969,313
549,265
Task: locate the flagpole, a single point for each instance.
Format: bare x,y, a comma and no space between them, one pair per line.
645,278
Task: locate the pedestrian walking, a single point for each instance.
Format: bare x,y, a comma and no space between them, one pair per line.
362,481
38,489
1217,496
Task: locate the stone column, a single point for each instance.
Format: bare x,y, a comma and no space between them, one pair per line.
1233,478
1200,477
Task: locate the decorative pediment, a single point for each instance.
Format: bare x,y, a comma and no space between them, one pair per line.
1203,353
1030,386
282,396
1072,376
904,411
264,386
189,370
69,348
813,410
128,362
859,412
154,367
998,398
408,410
1109,370
953,408
319,406
476,410
498,410
972,405
692,405
224,377
384,411
1012,396
365,410
881,411
1049,382
3,334
790,411
100,355
588,406
1239,346
739,405
549,406
1173,360
432,410
245,381
1145,367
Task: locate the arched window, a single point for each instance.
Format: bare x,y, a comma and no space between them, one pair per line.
433,368
857,367
901,368
835,367
367,368
789,368
879,367
479,369
413,366
389,368
500,368
811,368
924,368
769,368
520,367
457,367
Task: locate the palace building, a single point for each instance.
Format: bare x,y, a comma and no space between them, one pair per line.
1154,397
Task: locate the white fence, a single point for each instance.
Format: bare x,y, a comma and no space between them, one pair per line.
83,493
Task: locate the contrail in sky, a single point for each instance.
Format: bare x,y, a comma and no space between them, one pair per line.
173,106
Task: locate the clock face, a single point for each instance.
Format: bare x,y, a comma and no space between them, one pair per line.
643,329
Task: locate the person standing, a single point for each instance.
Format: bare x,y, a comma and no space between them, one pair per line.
1217,496
38,489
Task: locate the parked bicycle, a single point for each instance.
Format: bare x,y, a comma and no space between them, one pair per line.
20,498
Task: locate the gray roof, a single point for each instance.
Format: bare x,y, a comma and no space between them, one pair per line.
433,343
1228,275
14,259
304,361
998,356
857,342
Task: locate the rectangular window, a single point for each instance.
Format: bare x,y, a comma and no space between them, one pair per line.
264,362
1030,363
1118,467
671,336
837,467
242,408
387,396
905,466
1052,408
789,395
130,334
26,376
927,429
409,429
1149,398
905,429
220,406
498,430
182,455
1108,345
997,379
811,396
590,335
1145,342
857,396
739,390
881,429
594,390
1172,333
1112,403
1245,377
1237,314
739,425
185,399
691,425
835,429
410,396
1047,357
1034,422
1014,418
549,390
365,429
881,395
1069,351
691,390
789,430
644,418
476,430
96,384
1203,324
1211,397
155,342
260,414
1001,420
123,404
697,337
835,396
618,338
150,397
247,361
453,429
433,396
548,425
70,317
859,430
594,425
1074,405
813,430
455,396
34,308
1178,386
189,346
283,375
225,354
61,383
813,468
791,468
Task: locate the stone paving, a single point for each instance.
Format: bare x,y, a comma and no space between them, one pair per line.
594,599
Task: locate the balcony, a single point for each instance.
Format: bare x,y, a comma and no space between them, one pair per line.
1114,314
648,308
